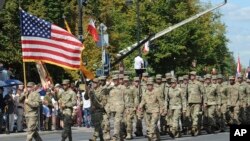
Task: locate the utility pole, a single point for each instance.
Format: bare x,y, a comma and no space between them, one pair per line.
138,24
80,14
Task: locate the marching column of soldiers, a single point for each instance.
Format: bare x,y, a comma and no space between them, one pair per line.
185,105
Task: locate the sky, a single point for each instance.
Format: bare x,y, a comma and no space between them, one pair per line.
236,16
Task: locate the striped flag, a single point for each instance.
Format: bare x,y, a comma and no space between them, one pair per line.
44,41
146,48
92,30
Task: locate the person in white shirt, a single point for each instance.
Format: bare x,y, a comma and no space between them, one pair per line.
86,111
138,65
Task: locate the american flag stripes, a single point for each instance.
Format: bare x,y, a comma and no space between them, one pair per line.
44,41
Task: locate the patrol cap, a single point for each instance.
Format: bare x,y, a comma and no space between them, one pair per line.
180,78
168,75
201,79
214,77
150,83
219,76
126,78
145,74
208,76
136,79
95,80
239,76
185,77
30,84
151,79
193,73
121,76
114,77
248,81
164,80
173,80
102,78
158,76
231,78
82,87
65,81
57,85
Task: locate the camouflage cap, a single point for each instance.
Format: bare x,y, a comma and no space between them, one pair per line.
239,76
168,75
102,78
136,79
150,83
126,78
95,80
231,77
214,77
248,81
201,79
145,74
208,76
57,85
114,77
180,78
30,84
185,77
193,73
121,76
164,80
151,79
158,76
173,80
219,76
65,81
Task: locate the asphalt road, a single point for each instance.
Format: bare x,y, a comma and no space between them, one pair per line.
83,134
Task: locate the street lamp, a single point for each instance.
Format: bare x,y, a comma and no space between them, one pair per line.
81,4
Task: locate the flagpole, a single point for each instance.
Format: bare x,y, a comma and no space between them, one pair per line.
24,75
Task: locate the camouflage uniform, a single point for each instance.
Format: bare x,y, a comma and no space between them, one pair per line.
31,109
131,102
152,104
176,103
68,101
233,102
195,92
248,101
116,99
210,101
222,92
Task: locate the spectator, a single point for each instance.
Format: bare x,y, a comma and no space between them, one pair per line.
46,115
58,94
86,107
19,108
79,110
138,66
9,109
1,109
48,99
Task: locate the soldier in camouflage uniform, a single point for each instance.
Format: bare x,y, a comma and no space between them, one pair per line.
210,104
131,102
176,103
32,101
138,91
195,92
243,92
116,105
68,101
152,103
233,101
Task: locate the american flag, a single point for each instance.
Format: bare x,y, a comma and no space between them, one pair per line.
44,41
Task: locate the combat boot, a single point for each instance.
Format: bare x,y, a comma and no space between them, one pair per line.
129,136
194,131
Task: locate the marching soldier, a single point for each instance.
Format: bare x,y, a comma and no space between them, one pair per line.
131,102
176,103
68,101
152,103
210,104
32,101
233,101
195,92
222,92
116,99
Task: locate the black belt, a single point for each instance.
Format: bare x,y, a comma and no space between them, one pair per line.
20,107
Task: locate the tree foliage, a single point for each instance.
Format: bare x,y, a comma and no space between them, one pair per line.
202,40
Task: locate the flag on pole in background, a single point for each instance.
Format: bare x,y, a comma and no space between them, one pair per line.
92,30
44,41
146,48
238,67
46,80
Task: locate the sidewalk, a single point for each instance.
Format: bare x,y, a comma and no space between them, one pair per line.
74,130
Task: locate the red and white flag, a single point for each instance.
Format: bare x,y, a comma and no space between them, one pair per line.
46,42
93,31
238,67
146,48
